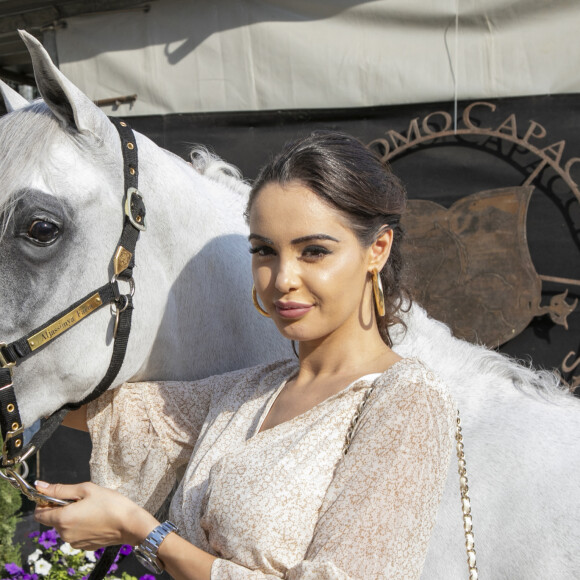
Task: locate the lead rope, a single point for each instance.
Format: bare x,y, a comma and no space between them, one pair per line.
464,489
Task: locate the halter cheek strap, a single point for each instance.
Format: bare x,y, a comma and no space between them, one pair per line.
14,353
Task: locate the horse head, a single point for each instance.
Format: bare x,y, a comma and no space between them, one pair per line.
61,201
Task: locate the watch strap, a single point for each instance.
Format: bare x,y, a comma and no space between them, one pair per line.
147,550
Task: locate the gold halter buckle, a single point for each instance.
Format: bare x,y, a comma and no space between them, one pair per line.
4,364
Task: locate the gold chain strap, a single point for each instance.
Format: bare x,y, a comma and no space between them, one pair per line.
354,420
465,503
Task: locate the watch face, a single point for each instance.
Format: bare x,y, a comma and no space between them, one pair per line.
145,560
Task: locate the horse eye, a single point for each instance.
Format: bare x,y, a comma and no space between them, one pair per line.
43,232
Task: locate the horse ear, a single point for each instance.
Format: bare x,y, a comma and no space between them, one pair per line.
67,102
12,100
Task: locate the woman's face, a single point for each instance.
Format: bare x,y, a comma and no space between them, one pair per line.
310,271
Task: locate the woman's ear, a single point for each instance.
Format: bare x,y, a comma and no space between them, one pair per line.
380,250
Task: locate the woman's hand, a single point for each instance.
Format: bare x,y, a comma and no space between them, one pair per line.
102,517
99,517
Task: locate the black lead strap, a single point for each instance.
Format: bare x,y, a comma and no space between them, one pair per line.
10,416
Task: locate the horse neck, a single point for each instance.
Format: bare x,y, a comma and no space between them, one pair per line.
193,276
186,211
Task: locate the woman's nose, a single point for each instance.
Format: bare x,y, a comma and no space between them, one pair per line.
287,277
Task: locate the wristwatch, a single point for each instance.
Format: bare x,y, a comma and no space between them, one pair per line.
146,551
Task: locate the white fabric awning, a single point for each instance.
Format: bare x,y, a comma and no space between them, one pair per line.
239,55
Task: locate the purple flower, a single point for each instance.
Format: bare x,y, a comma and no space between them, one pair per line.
99,553
147,577
125,550
34,534
112,569
13,569
49,538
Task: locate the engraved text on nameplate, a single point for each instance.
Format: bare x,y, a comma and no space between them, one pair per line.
65,322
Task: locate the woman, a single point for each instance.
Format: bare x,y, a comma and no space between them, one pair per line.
279,475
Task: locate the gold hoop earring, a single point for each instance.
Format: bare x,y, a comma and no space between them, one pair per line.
378,292
257,304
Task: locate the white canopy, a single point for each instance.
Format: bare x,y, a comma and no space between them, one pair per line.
239,55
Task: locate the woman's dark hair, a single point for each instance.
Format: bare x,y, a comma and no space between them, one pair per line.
344,173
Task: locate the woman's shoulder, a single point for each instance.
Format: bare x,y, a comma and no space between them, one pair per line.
408,400
412,377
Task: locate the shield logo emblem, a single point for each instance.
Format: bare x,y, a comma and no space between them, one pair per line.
470,264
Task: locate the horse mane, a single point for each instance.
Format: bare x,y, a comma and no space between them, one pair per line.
461,361
214,167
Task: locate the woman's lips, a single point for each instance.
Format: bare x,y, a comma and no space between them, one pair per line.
292,309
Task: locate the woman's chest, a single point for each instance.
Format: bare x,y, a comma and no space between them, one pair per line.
255,498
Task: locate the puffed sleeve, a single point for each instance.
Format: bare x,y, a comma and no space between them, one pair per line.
380,508
143,434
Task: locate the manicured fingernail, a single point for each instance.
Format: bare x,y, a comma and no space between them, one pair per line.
41,484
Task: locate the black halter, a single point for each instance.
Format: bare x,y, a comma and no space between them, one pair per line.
12,354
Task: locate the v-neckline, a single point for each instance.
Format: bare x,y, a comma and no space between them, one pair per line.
271,401
277,392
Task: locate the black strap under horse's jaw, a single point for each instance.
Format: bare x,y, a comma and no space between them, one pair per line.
12,354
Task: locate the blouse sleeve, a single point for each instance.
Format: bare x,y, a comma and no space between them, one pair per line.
143,434
380,508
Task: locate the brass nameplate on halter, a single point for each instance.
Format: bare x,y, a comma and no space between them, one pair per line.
121,260
65,322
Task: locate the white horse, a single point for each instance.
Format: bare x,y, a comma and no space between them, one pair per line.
61,191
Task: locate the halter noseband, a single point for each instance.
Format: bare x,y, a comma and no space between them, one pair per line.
13,451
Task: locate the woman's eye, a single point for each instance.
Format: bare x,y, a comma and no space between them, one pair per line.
315,252
43,232
262,251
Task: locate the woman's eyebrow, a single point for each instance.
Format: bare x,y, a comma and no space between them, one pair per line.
296,241
260,238
313,237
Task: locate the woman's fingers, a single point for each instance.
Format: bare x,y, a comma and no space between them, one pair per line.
98,517
51,515
60,491
72,521
48,515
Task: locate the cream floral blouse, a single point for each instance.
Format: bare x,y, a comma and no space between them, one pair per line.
285,503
